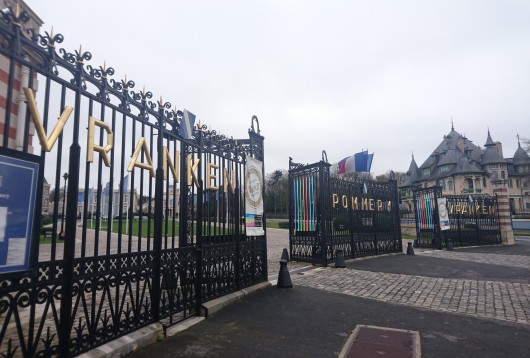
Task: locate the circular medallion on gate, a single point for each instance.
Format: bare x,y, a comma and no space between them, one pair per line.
253,185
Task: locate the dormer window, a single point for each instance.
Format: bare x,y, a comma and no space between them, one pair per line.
426,172
444,168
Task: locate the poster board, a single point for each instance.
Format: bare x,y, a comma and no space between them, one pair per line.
443,214
18,193
254,197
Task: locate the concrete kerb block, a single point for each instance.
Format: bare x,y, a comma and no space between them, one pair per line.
171,331
218,303
255,288
127,344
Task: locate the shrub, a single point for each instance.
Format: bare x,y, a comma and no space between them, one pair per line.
283,224
46,220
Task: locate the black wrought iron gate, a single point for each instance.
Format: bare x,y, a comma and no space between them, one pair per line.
121,243
326,214
472,219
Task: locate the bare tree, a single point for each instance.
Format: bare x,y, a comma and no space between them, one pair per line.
276,188
526,144
399,176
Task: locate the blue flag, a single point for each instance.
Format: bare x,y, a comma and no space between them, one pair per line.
359,162
186,125
363,161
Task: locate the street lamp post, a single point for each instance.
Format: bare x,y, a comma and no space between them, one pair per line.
61,235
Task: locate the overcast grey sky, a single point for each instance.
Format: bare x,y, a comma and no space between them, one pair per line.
339,76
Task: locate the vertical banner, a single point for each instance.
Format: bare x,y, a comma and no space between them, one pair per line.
443,214
304,207
254,197
425,208
18,188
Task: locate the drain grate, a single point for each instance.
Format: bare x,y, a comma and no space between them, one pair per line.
372,341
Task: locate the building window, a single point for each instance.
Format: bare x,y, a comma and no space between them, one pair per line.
517,183
503,175
494,175
441,183
444,168
510,184
450,185
484,182
426,172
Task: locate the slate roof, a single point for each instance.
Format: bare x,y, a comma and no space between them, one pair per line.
456,155
460,159
412,174
521,157
490,154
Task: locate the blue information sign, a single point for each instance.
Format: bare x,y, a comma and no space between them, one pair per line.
18,189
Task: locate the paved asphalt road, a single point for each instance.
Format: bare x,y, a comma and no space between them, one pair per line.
467,303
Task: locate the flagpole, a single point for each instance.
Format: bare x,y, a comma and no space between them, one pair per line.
92,207
127,212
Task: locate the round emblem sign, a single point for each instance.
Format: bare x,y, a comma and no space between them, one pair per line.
253,187
442,209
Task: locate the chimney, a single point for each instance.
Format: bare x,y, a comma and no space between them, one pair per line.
498,147
461,143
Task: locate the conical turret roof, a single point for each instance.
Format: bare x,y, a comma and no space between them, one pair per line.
412,174
491,155
520,157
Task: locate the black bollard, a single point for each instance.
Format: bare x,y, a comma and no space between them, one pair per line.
410,249
285,255
339,259
284,278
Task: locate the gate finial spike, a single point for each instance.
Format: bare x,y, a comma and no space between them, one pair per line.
254,117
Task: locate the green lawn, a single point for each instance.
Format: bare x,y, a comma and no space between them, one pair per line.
142,227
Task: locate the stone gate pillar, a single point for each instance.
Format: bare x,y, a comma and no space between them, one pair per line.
505,221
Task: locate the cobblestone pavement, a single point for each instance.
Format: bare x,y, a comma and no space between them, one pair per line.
508,301
492,259
277,240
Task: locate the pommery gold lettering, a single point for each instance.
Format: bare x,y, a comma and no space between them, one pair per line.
366,203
